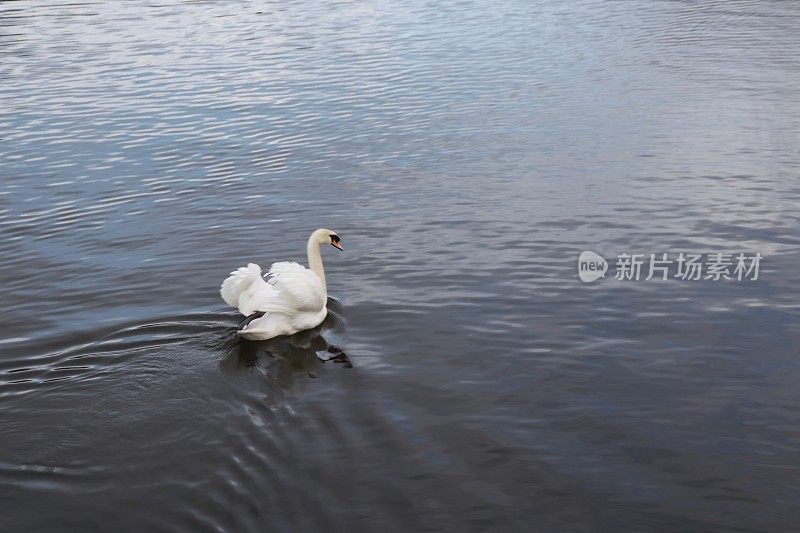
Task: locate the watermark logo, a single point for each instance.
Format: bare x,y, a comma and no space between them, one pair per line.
591,267
663,266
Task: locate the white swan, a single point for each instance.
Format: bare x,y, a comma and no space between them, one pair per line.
292,300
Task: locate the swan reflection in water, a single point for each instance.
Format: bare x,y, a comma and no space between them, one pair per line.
283,357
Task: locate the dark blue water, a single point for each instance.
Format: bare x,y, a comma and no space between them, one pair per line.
466,153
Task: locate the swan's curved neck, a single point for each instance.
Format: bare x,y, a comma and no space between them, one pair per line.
315,261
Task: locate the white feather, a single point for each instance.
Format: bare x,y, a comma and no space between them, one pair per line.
299,285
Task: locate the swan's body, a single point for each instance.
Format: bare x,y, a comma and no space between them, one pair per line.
292,300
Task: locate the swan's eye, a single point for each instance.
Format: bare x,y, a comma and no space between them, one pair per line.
334,238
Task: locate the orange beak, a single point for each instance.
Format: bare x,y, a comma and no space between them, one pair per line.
337,245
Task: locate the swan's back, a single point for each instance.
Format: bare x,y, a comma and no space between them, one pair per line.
292,300
299,289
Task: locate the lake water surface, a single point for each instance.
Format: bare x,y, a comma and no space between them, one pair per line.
467,153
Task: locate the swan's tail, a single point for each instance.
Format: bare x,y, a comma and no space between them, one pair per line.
238,282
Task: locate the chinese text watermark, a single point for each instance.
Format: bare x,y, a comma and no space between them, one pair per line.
663,266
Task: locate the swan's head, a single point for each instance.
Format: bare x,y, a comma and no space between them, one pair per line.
326,236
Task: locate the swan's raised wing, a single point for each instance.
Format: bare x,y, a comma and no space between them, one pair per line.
246,289
298,289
